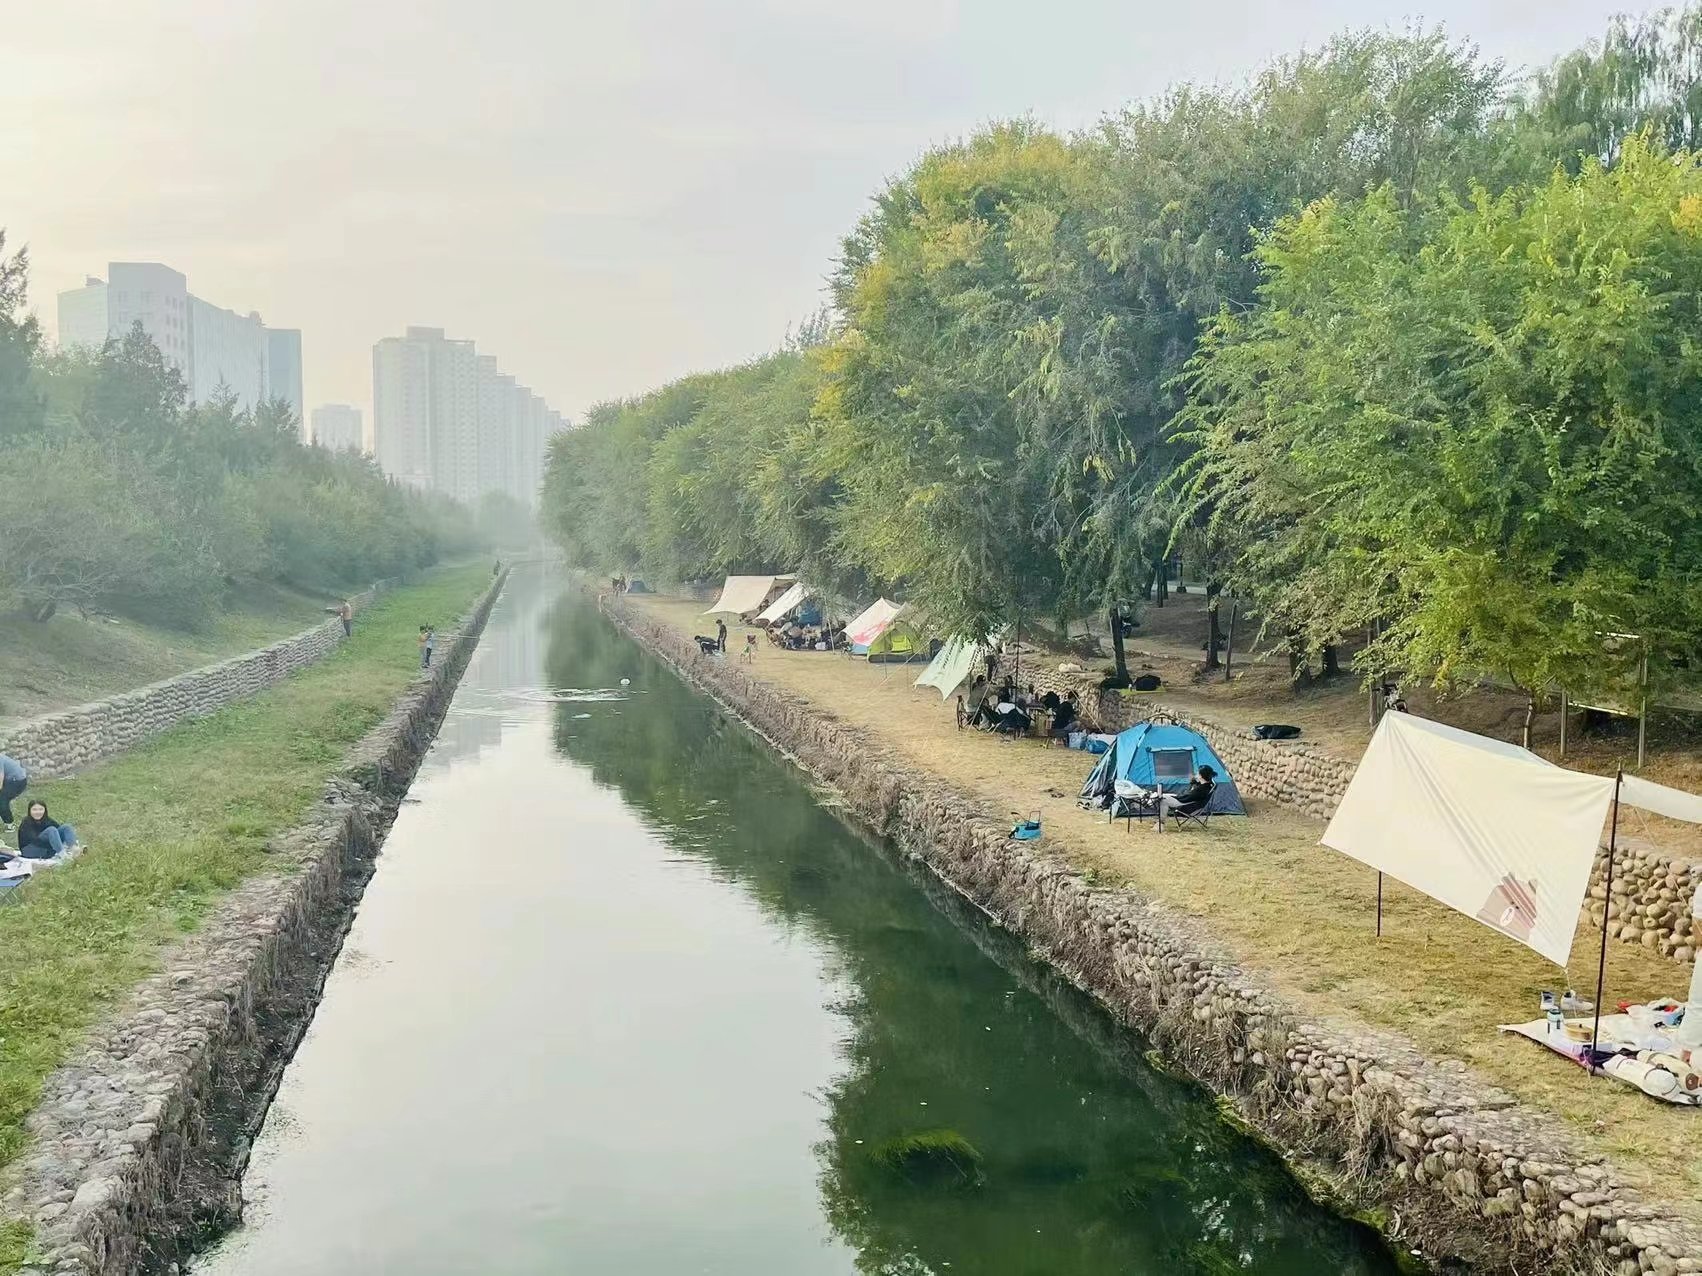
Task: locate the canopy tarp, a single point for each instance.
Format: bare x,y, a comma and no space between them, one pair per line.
1486,827
951,665
793,597
743,594
874,621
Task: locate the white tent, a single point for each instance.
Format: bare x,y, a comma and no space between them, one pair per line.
874,621
793,597
742,594
1484,826
951,665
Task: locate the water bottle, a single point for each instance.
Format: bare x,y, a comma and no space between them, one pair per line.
1554,1020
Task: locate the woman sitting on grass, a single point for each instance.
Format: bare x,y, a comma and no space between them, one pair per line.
40,837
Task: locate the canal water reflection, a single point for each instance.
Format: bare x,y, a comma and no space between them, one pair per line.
623,997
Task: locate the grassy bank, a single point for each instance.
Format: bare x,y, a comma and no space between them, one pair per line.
72,659
1297,916
177,822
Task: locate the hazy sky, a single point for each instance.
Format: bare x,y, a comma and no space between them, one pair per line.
604,195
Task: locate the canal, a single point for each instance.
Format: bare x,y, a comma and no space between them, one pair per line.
625,997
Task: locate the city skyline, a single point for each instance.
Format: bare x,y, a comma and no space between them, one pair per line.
212,346
446,418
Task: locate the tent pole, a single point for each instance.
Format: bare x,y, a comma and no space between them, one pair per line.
1379,903
1607,903
1643,710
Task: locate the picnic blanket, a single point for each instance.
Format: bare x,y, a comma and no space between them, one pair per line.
1650,1061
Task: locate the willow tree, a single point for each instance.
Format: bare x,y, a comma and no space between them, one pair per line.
1475,422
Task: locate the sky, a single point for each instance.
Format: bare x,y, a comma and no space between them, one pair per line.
606,196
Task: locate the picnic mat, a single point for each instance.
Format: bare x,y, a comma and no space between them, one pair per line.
1650,1062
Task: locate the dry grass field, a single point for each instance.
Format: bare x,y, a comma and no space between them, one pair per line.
1297,915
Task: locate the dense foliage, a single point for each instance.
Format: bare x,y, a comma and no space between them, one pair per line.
1381,341
126,498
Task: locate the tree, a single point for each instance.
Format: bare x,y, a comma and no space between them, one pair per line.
21,405
1472,423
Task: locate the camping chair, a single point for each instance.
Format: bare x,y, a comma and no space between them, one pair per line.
1198,814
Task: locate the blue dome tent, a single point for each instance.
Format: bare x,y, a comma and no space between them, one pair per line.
1165,754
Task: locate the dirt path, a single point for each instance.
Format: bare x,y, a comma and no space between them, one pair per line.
1298,915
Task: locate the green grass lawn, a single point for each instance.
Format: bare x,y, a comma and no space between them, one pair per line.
177,822
73,659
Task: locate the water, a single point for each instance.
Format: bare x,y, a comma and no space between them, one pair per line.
624,998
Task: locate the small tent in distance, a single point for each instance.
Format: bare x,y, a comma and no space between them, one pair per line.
1159,754
884,633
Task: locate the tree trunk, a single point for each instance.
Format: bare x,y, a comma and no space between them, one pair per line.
1298,673
1332,663
1530,714
1117,653
1214,631
1161,581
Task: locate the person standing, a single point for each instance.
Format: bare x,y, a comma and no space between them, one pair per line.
346,614
428,641
721,636
13,781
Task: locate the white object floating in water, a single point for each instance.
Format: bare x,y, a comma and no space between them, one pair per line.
626,682
578,716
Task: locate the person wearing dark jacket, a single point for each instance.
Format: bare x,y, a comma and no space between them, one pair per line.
13,781
1192,798
41,837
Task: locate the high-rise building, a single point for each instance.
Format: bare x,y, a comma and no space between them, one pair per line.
337,426
447,418
209,345
283,370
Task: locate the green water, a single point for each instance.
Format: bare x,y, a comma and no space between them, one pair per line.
624,997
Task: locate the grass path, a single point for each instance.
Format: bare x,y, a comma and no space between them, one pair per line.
177,822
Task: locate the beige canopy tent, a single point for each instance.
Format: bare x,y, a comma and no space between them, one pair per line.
776,610
951,665
741,595
1486,827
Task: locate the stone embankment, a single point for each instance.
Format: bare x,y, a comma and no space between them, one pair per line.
1652,888
139,1141
1459,1167
58,743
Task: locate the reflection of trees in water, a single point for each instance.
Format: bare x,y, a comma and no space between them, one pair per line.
1090,1161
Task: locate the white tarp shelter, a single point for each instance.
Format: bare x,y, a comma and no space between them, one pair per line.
742,594
1486,827
793,597
874,621
951,665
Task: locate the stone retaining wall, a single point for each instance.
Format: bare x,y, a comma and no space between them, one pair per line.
56,744
138,1142
1652,889
1468,1172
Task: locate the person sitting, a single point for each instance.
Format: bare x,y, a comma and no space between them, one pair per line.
40,837
1064,718
1190,799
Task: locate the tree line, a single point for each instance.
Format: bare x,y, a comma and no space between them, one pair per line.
1389,345
126,498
